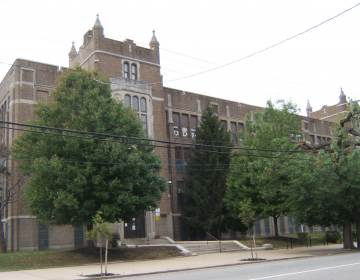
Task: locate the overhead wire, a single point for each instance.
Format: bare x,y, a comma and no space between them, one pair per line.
146,139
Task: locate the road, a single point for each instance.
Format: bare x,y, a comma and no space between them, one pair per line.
340,266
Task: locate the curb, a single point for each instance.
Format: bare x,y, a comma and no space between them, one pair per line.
194,268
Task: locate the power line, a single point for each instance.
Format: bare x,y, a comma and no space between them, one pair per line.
263,50
146,139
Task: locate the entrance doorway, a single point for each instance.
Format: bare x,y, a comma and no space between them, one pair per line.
135,228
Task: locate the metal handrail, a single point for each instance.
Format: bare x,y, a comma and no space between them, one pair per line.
207,242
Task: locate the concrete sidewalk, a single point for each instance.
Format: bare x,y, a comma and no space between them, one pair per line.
174,264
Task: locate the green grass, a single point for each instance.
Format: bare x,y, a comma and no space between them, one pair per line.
58,258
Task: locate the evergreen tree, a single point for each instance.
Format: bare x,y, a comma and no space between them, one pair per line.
206,175
72,178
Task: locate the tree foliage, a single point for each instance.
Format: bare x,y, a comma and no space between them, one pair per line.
73,176
256,175
325,189
206,175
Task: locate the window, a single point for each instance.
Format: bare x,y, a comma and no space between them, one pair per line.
323,140
224,124
144,122
176,120
185,124
143,104
135,103
178,159
133,72
241,129
215,108
305,125
187,154
180,191
318,140
193,126
126,70
312,139
233,132
127,100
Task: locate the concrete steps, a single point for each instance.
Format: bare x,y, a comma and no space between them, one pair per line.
208,248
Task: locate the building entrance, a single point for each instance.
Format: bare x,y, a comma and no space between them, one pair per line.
135,228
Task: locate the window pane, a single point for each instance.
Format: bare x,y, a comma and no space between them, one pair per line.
143,104
127,100
233,127
185,123
144,122
133,72
136,103
176,119
126,70
185,132
193,121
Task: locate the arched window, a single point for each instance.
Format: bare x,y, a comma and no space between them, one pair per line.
143,104
133,72
127,100
135,103
126,70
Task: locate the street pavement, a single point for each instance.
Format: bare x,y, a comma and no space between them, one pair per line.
173,264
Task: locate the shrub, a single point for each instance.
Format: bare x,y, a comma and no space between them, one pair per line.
333,235
302,237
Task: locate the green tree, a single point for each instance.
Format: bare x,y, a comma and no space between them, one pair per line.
100,232
257,174
206,175
72,176
325,189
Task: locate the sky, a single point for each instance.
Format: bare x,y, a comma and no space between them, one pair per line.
199,35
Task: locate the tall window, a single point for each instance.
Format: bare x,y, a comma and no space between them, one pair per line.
144,122
178,159
127,100
185,125
136,103
176,120
240,129
143,104
233,132
133,72
193,126
126,70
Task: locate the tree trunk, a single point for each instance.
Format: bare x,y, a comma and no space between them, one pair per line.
358,234
276,225
347,236
2,238
89,243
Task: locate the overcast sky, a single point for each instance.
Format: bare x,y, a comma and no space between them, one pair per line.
198,35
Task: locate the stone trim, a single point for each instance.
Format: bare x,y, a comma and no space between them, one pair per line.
118,55
21,100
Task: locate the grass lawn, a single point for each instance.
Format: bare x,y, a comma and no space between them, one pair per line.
57,258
